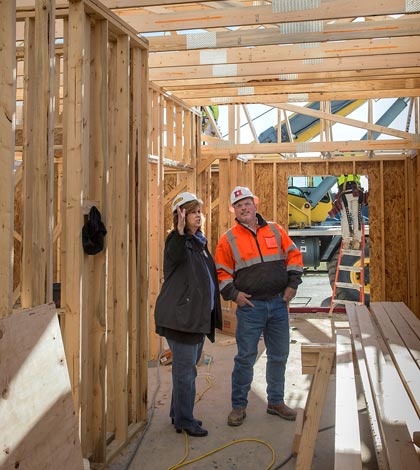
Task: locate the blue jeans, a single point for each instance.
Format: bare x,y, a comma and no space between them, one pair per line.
184,371
270,318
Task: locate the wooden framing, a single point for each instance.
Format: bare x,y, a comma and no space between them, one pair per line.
90,149
125,136
7,149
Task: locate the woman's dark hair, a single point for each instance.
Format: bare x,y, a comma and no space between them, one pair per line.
189,207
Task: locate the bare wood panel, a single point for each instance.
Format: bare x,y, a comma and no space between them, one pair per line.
264,182
395,236
376,232
368,393
39,427
347,434
395,340
398,419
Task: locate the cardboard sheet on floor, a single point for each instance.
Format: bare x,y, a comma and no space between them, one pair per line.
38,426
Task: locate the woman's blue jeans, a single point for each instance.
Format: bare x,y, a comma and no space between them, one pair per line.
184,372
270,318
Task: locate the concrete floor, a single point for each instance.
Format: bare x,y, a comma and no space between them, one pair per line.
160,447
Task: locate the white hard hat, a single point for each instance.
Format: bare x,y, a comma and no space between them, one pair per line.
182,199
241,192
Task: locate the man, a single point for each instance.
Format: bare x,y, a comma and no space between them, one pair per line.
259,268
350,194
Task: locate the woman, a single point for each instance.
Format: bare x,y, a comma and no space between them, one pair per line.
188,306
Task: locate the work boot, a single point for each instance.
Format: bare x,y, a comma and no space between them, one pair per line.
236,417
283,411
346,245
356,245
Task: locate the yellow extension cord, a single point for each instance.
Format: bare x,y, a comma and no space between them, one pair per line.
183,462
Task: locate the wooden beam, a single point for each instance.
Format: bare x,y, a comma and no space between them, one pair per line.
341,147
257,15
344,120
324,50
393,27
143,240
71,293
274,80
298,89
7,151
119,161
329,64
98,163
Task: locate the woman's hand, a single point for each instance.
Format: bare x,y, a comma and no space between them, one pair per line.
181,220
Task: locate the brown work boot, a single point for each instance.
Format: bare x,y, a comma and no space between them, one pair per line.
346,245
283,411
236,417
356,245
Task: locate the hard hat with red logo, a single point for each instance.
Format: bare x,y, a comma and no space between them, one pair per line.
183,198
241,192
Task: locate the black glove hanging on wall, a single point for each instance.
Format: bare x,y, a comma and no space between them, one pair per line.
93,233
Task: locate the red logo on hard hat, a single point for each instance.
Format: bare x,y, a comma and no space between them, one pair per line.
238,193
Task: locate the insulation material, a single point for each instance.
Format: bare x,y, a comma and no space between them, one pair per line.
218,56
39,429
201,40
228,70
284,6
302,27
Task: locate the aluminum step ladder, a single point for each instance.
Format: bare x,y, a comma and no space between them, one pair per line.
356,257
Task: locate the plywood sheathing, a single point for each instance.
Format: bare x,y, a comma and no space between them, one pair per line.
391,237
39,427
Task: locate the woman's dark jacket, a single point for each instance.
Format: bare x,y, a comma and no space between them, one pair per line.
183,304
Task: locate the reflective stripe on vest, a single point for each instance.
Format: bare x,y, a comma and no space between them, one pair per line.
240,263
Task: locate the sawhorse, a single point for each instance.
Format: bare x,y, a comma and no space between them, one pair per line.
317,359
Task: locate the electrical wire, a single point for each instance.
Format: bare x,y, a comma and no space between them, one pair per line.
184,463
